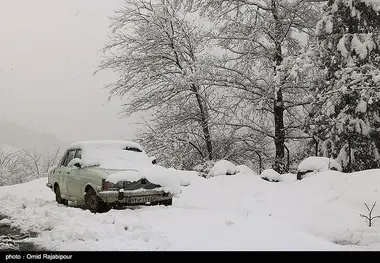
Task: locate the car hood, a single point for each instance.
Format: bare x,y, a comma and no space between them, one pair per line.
110,171
147,177
106,172
101,172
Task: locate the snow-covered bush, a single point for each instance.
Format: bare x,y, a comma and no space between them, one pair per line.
204,168
244,169
315,164
271,175
186,177
222,167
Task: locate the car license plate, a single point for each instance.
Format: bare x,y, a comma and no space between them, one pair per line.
141,199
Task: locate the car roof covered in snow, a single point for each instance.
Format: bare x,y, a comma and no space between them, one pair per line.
107,144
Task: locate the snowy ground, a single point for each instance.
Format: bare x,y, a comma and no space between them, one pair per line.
241,212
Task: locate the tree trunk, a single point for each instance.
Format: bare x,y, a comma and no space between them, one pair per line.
204,122
349,168
316,146
287,159
202,108
260,162
279,131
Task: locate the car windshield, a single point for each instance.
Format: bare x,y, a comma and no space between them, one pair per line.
109,158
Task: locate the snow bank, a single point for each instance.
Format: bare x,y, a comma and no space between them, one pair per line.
289,177
318,214
271,175
318,164
222,167
244,169
327,205
186,177
155,174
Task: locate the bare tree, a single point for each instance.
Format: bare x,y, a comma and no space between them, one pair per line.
11,168
21,166
181,146
31,161
51,159
157,53
6,157
370,217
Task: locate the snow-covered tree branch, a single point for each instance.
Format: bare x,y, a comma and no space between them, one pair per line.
157,51
256,37
346,112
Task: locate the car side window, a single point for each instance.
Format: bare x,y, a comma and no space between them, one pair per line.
69,157
64,159
78,154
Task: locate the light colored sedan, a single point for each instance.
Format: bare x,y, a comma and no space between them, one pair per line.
103,174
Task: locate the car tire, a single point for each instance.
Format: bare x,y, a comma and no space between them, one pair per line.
167,202
58,196
94,203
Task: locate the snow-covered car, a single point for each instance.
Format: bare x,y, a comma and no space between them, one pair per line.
316,164
101,174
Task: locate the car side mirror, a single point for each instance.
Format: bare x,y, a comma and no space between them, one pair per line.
52,169
76,162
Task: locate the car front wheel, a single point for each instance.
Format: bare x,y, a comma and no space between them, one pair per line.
167,202
58,196
94,203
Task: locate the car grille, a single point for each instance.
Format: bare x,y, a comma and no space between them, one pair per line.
142,183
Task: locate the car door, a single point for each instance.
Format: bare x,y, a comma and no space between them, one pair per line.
65,171
75,178
58,174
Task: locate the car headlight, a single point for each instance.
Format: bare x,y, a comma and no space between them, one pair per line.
108,185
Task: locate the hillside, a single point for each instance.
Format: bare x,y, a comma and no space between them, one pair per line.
14,135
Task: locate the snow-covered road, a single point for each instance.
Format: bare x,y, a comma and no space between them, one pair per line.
241,212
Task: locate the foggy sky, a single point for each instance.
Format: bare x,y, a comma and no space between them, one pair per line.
49,50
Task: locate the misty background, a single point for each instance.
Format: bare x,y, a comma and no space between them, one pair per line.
49,95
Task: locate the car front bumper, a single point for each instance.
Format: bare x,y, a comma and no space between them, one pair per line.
134,197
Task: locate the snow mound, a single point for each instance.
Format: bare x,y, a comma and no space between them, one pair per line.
186,177
155,174
204,168
222,167
244,169
289,177
318,164
271,175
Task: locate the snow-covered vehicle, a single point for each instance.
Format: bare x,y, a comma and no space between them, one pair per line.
101,174
315,164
